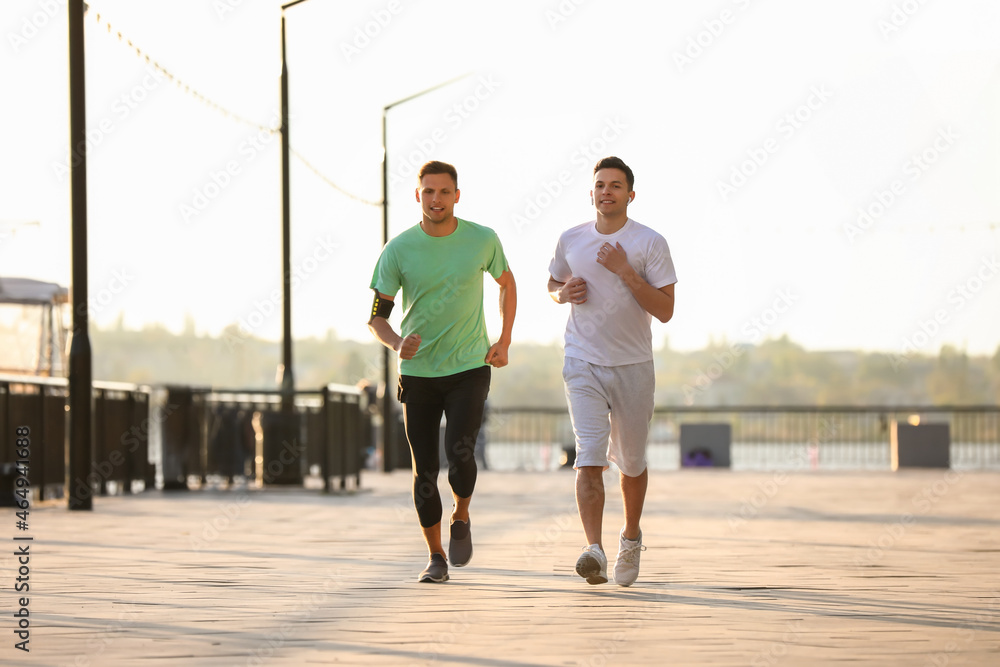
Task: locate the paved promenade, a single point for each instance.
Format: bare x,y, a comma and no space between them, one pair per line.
741,569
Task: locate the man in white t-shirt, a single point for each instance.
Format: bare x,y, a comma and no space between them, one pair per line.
616,275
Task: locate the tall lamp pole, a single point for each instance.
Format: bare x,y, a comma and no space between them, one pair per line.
388,424
80,361
286,371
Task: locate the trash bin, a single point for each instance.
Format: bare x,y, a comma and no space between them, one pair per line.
227,446
284,449
920,445
181,439
698,457
705,445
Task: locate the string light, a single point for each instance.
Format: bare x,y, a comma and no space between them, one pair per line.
227,113
331,183
962,228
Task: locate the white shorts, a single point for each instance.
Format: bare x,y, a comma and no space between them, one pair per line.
610,407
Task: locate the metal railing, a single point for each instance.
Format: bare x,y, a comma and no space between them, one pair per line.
120,433
177,435
763,437
230,433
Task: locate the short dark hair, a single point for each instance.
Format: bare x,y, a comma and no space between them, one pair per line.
436,167
613,162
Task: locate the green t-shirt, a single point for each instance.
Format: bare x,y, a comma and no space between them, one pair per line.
442,283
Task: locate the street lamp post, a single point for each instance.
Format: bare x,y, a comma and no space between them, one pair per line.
80,360
388,424
288,430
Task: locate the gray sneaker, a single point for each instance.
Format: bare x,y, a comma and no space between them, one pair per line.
460,545
592,565
627,563
436,570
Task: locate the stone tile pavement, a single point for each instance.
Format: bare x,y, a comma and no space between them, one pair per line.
742,568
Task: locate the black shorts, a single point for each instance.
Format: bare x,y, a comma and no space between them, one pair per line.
416,389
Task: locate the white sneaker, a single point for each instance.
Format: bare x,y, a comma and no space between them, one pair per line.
627,563
592,565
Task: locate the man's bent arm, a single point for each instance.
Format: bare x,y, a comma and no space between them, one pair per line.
496,356
657,302
385,334
383,331
554,287
508,304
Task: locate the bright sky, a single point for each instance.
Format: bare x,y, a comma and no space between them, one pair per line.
829,171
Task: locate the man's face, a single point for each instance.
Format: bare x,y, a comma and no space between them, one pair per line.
611,194
437,195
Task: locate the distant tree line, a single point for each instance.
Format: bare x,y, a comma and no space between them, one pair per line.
773,372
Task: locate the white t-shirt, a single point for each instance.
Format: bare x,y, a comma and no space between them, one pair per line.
611,328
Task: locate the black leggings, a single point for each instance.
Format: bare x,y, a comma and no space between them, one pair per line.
460,397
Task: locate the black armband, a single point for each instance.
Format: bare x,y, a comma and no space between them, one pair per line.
380,307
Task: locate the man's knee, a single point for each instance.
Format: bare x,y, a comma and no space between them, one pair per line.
591,476
638,476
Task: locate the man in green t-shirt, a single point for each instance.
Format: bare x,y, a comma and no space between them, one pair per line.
444,350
